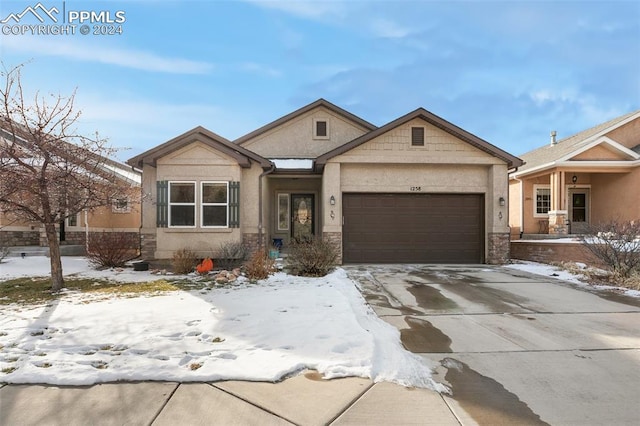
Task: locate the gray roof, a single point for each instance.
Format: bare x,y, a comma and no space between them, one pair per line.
550,153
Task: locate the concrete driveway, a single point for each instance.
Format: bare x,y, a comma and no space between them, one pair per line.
515,348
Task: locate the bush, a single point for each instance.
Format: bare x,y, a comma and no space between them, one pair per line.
617,245
230,255
314,258
112,249
184,261
259,266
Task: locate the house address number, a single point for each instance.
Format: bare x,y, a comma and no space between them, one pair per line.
415,188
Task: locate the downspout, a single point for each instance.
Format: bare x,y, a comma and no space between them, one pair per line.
260,231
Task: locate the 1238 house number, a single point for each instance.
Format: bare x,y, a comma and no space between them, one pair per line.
415,188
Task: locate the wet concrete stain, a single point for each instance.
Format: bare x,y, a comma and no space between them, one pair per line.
313,375
471,289
618,298
486,400
423,337
383,302
429,297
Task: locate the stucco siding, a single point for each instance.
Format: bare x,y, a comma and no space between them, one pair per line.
294,139
600,153
615,196
515,207
395,146
627,135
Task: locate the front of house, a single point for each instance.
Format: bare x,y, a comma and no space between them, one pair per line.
416,190
589,178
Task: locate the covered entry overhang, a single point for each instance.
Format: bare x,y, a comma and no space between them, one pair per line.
562,198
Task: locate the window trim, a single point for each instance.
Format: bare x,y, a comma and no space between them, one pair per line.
170,204
203,204
536,187
315,128
119,210
423,136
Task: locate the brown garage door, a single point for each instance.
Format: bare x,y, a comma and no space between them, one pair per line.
413,228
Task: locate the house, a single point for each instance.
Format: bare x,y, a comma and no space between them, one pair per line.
122,215
417,190
588,178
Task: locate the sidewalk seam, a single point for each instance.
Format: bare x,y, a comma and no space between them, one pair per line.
351,404
165,404
253,404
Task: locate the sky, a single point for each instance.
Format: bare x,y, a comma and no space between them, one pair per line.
507,71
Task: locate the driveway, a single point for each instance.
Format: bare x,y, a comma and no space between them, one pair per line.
515,348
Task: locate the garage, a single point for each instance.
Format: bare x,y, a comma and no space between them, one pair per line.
413,228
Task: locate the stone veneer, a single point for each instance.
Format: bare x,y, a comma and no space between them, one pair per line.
498,251
148,245
336,239
251,242
19,238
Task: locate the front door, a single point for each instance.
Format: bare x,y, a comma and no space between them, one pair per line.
579,210
302,217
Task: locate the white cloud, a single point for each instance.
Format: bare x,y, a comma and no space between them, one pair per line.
128,58
386,28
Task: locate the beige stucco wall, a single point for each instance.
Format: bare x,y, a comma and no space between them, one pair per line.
196,162
627,135
294,139
615,196
445,164
600,153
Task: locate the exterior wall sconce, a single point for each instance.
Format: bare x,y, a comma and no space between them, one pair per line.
332,200
332,214
501,201
574,179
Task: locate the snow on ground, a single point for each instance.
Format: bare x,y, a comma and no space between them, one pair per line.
255,332
561,274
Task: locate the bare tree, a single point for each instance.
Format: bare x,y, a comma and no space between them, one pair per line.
48,171
616,244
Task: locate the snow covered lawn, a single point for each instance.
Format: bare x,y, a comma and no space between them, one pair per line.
257,332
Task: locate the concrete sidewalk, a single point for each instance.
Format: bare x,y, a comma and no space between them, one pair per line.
302,400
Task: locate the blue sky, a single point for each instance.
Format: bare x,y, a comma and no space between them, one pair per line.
509,72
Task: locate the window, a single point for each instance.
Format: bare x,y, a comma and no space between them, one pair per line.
283,212
417,136
120,205
72,220
320,129
215,204
182,204
543,200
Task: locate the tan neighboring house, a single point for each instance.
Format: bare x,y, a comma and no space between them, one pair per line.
416,190
122,216
590,177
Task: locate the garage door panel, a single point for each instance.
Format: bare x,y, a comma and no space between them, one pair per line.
413,228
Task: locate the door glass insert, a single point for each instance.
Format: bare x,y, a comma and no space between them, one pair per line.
302,217
579,202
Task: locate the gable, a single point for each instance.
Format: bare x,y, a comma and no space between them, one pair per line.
627,135
395,146
295,138
601,152
196,153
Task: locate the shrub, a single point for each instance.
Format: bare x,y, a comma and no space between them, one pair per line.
314,258
259,266
112,249
617,245
184,260
230,255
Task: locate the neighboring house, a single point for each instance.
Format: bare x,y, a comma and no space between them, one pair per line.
588,178
418,189
123,215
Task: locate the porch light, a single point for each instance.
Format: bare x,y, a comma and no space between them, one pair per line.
332,200
574,179
501,201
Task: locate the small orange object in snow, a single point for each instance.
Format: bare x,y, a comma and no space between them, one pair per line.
205,266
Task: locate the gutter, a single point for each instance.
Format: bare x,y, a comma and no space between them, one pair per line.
260,224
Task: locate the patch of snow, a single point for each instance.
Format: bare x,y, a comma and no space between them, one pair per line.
293,163
550,240
255,332
560,274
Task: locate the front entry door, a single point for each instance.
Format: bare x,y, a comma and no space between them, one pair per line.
302,209
579,210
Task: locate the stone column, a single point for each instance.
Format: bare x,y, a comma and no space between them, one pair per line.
558,222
